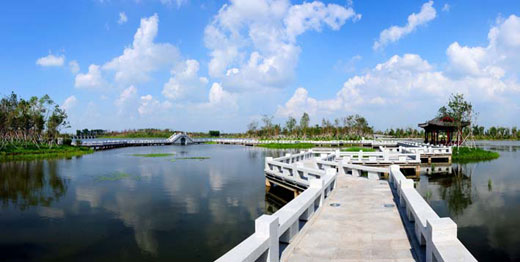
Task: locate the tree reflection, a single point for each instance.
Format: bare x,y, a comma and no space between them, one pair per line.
456,190
30,183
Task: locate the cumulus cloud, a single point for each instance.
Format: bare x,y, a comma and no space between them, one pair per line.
92,79
144,56
486,74
394,33
51,60
178,3
185,81
74,66
253,43
149,105
69,103
122,18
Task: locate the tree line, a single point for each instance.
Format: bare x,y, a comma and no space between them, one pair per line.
36,120
349,127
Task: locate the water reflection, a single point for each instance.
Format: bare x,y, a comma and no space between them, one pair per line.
484,200
183,210
31,183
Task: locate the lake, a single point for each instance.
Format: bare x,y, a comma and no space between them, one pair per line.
484,200
114,206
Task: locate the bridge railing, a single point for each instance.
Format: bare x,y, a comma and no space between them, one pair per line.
439,235
294,173
384,156
422,148
352,169
283,225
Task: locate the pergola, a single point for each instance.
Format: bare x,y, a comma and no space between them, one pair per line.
442,131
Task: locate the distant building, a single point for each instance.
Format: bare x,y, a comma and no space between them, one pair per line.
442,131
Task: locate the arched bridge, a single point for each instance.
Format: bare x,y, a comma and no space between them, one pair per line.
181,139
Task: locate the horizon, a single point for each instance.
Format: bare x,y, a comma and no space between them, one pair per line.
207,65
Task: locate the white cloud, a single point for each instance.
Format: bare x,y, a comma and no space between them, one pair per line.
74,66
253,43
122,18
69,103
149,105
51,60
92,79
184,81
178,3
126,95
144,56
446,8
394,33
487,75
127,101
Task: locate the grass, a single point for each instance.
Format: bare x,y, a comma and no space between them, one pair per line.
43,151
466,154
210,143
154,155
357,149
287,146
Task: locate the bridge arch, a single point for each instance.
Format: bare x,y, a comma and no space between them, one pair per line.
180,139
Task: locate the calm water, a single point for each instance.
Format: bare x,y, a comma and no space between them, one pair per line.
112,206
487,213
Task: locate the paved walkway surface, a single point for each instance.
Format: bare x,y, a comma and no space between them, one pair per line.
360,229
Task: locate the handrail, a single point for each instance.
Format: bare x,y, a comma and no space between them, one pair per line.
283,225
439,235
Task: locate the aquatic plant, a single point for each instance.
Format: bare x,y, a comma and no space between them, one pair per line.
192,158
154,155
466,154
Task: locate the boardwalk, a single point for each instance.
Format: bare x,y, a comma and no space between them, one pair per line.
360,229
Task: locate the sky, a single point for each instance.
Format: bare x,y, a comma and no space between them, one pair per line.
205,65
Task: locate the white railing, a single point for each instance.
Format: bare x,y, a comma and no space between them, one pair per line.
438,234
422,148
293,172
384,157
283,225
352,169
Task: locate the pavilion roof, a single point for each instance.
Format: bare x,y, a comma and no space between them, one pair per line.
442,122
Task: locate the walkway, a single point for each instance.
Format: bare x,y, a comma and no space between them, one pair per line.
360,229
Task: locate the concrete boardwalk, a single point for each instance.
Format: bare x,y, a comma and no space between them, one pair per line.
360,229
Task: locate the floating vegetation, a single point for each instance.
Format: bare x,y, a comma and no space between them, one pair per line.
466,154
357,149
191,158
154,155
116,176
428,195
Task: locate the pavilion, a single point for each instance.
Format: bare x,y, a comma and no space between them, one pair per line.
442,131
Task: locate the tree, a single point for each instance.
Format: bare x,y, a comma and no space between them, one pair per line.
290,124
252,127
459,110
304,121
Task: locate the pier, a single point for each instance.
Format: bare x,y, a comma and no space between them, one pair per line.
351,206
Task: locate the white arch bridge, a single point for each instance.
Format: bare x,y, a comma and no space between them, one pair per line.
102,144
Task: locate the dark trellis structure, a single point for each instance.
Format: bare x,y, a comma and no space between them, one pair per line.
443,131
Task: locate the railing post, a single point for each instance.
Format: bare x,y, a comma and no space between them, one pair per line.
267,160
267,226
438,230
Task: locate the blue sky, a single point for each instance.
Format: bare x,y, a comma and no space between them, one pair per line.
199,65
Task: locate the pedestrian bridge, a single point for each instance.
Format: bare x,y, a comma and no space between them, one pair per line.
181,139
348,212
